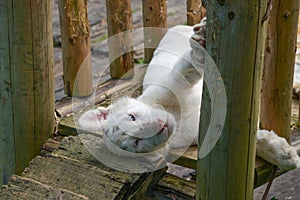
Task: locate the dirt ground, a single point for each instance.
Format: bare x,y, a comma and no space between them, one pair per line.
286,186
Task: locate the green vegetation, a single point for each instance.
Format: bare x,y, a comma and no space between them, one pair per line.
140,61
100,38
134,11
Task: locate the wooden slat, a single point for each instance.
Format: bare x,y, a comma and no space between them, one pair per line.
26,188
188,159
74,148
76,176
180,187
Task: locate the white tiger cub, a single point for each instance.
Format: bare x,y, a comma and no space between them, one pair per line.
167,113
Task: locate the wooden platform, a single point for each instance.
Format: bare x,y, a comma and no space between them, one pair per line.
66,170
189,158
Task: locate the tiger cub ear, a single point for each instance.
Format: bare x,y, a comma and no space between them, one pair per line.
91,120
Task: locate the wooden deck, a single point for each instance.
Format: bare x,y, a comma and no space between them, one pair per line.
189,158
66,170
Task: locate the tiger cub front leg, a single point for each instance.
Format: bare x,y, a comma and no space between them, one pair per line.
200,33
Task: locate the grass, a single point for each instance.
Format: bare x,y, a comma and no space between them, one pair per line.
274,198
140,61
100,38
134,11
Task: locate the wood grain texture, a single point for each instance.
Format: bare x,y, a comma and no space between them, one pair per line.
120,41
75,34
76,176
7,145
276,98
27,88
178,185
155,23
234,40
195,12
26,188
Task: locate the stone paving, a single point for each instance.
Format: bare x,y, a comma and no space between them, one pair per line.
285,187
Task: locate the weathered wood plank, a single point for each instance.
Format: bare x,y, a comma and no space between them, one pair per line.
50,145
188,159
179,186
26,188
75,34
81,178
144,186
74,148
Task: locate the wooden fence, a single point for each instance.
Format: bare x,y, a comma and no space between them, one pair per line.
26,76
26,66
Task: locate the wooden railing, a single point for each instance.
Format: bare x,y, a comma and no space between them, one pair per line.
76,38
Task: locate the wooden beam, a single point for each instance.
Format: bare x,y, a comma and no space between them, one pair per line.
235,38
155,23
75,35
26,82
279,62
120,42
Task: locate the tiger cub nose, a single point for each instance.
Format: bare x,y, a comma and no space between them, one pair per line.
161,123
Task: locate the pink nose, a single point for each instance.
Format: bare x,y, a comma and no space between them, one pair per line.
161,123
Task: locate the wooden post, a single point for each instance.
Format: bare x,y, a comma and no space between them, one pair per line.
26,82
155,17
298,58
276,99
235,38
195,11
75,34
119,25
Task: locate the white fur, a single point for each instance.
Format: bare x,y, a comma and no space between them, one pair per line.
174,85
150,129
276,150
